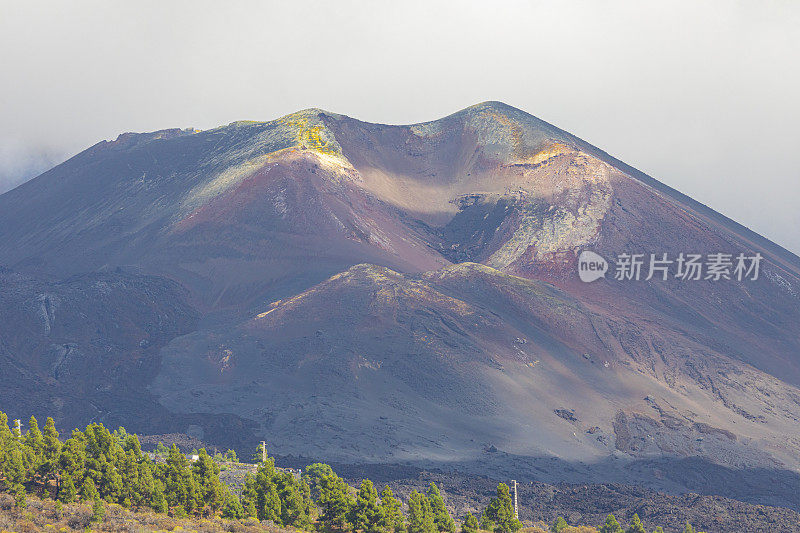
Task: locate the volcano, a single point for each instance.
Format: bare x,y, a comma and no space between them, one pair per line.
359,292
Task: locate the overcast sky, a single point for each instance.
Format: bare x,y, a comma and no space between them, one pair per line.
704,96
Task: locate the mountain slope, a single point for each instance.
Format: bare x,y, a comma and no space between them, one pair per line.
219,210
410,293
374,365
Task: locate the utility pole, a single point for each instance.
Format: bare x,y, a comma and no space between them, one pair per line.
516,510
263,451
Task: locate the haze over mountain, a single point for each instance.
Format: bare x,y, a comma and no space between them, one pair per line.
368,293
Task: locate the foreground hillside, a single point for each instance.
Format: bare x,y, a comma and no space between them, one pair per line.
46,515
365,293
102,479
109,471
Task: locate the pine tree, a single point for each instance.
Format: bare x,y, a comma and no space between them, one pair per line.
305,492
441,518
272,506
249,496
132,445
34,439
130,470
470,524
14,466
5,431
121,435
230,456
486,523
179,484
658,529
102,454
366,514
611,525
48,468
688,528
158,502
334,501
161,450
210,490
558,525
98,510
313,474
393,520
88,490
295,500
147,482
15,461
499,515
420,515
19,496
67,491
52,446
635,525
232,508
268,501
72,458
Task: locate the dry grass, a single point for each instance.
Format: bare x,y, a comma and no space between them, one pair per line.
543,528
44,515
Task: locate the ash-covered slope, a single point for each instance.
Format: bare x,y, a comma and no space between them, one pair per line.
64,345
392,293
438,368
230,212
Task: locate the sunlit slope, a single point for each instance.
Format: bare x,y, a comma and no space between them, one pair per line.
375,365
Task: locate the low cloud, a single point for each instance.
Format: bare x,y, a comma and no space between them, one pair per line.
19,163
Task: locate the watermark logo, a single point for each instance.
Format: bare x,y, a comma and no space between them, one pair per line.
684,267
591,266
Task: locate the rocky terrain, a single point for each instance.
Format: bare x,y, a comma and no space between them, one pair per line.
590,504
361,293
